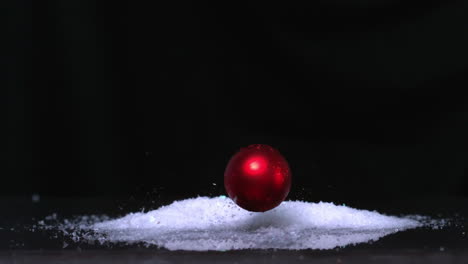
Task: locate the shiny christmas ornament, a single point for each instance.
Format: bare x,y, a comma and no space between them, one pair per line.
257,178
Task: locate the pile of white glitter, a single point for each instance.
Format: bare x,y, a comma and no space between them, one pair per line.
204,223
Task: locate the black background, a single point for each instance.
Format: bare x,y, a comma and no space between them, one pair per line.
365,99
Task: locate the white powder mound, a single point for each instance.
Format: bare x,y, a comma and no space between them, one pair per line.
204,223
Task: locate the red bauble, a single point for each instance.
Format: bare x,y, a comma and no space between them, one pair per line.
257,178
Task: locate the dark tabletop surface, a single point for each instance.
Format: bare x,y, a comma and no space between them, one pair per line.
20,242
